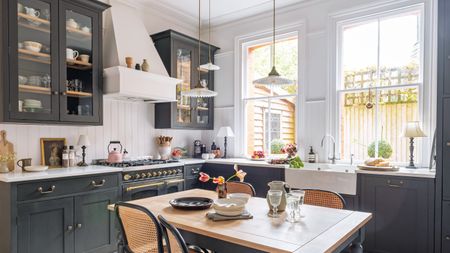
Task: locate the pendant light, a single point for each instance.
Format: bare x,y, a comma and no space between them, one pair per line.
209,66
201,89
274,77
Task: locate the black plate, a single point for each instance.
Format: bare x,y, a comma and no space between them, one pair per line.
191,203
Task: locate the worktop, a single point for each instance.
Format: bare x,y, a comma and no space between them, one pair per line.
402,172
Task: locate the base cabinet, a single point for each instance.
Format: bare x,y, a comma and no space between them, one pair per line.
446,226
46,225
402,213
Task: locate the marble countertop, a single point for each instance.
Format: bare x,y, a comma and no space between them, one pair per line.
403,172
19,176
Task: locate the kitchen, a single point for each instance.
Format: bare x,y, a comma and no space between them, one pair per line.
101,99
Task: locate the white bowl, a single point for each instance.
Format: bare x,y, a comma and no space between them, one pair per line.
35,168
32,46
23,80
240,196
229,207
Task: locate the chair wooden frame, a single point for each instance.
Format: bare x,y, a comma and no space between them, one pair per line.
245,184
149,214
166,226
323,191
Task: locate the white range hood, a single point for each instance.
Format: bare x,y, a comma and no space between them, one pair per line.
126,36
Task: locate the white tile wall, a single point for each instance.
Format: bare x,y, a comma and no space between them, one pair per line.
130,123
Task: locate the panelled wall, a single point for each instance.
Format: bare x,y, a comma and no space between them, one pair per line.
130,123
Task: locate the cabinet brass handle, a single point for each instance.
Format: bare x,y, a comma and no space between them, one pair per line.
447,144
55,92
41,190
395,185
131,188
79,225
64,93
175,181
69,228
94,184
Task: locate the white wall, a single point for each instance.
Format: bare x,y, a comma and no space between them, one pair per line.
317,15
130,123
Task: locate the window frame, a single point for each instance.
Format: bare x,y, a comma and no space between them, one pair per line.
425,86
241,45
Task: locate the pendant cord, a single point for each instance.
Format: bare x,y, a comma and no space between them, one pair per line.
209,31
199,49
273,36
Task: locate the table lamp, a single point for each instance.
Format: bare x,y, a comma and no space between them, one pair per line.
83,141
412,130
225,132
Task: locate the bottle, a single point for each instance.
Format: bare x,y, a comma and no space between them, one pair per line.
71,156
145,66
203,149
213,146
65,157
137,66
311,155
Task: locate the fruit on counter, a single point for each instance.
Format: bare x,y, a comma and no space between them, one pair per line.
377,162
258,155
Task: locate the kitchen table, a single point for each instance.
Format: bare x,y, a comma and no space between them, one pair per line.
320,229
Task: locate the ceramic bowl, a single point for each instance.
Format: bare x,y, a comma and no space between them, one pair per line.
229,207
32,46
244,197
35,168
23,80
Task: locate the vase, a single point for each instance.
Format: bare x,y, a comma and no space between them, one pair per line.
4,167
145,66
281,186
164,151
222,191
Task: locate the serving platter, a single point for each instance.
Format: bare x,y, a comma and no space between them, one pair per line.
191,203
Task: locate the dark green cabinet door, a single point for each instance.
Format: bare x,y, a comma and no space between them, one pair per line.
446,151
402,217
46,226
94,224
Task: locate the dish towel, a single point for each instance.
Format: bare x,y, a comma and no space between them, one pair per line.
217,217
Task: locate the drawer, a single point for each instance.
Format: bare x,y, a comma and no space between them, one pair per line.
59,187
192,170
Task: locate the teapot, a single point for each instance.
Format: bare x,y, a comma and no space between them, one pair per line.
279,185
114,155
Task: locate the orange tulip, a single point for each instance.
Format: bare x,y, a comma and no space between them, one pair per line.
219,180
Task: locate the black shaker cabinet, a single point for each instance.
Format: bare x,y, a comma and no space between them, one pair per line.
179,54
402,213
51,68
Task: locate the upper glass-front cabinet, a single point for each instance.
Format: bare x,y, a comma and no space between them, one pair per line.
180,55
53,66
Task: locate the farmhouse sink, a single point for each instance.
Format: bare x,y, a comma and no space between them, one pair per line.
339,178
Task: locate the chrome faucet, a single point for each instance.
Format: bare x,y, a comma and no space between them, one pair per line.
333,158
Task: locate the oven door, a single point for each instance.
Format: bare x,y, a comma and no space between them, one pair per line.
140,190
174,185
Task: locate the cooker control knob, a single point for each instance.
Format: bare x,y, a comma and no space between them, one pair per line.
164,173
169,172
179,171
155,174
174,171
126,177
159,173
143,175
149,174
137,176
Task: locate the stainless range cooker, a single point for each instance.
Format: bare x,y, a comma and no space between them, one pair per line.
147,178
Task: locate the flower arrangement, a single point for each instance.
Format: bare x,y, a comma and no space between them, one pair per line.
8,157
290,150
220,180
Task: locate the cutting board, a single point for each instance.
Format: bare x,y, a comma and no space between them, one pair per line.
6,147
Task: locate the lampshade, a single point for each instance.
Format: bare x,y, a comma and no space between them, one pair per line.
83,140
209,66
199,92
273,78
413,130
225,131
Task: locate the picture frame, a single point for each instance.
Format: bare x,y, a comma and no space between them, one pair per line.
51,151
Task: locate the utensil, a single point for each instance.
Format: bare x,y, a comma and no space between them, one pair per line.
32,46
32,12
35,168
114,155
274,197
86,29
71,54
22,79
191,203
22,163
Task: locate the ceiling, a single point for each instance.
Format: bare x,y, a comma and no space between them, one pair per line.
222,11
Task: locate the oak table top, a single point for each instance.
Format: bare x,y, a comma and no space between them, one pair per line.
320,230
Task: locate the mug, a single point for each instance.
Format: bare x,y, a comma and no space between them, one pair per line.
22,163
32,12
72,23
84,58
71,54
86,29
205,156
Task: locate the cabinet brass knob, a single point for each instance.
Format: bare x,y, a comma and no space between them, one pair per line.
447,237
55,92
69,228
447,144
63,93
97,185
79,225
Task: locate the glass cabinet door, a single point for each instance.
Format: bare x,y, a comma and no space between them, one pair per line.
183,67
34,68
202,110
79,55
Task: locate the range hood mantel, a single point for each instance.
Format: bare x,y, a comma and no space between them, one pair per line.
126,36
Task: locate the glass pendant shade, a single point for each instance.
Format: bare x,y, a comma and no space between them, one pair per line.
209,66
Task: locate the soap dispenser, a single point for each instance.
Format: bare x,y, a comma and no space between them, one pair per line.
311,155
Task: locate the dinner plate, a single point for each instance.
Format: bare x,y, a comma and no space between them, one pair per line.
191,203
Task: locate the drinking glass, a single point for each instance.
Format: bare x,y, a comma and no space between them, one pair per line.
274,200
294,200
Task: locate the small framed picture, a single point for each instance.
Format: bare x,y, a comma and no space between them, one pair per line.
51,151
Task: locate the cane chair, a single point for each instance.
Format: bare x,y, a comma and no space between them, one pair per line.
174,240
324,198
240,187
